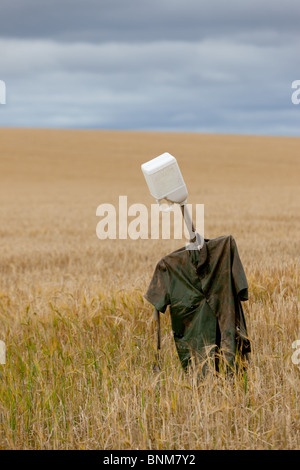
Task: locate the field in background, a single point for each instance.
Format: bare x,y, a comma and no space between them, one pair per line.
80,338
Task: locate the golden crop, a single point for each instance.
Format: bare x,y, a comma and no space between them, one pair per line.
80,337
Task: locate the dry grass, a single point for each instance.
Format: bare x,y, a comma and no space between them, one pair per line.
80,338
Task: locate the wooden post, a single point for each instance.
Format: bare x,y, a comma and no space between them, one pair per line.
156,315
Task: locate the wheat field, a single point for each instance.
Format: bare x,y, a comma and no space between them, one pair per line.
80,337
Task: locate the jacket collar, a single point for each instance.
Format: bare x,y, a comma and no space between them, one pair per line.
199,259
203,255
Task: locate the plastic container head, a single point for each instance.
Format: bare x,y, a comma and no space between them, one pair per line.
164,179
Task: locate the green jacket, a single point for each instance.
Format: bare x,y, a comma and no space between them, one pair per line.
204,291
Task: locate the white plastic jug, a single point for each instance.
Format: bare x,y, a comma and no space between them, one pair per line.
164,179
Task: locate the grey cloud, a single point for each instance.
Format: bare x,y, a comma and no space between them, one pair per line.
168,65
209,86
210,60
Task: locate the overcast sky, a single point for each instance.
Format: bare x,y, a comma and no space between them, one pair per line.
189,65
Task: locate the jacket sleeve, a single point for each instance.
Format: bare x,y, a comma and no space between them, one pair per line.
158,293
238,273
241,292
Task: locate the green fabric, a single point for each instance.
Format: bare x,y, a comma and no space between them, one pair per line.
203,291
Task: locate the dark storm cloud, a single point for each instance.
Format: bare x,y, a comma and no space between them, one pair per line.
137,20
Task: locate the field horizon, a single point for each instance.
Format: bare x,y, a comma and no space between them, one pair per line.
80,337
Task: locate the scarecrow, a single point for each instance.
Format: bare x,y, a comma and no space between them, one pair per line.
202,283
